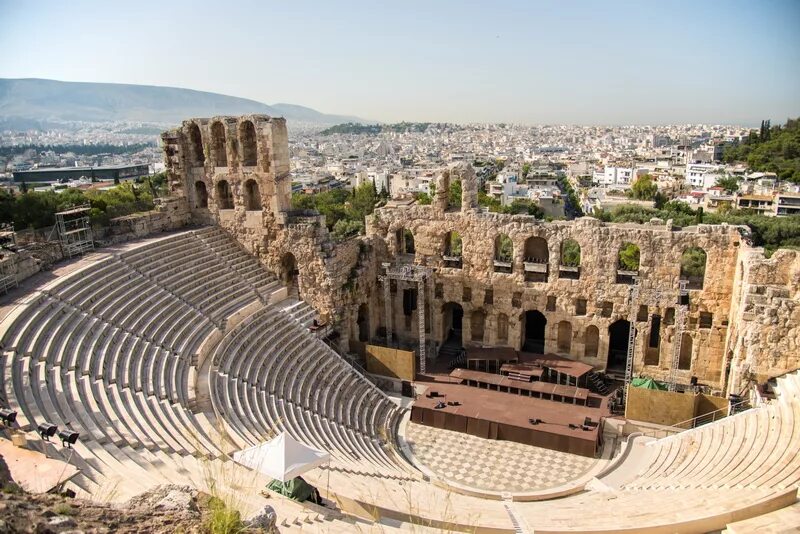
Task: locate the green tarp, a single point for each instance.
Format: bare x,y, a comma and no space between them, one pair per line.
296,488
648,383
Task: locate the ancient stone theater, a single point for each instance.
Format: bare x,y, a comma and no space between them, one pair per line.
452,369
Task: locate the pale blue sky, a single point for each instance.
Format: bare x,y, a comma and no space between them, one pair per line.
492,61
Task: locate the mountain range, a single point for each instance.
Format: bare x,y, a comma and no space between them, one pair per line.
28,102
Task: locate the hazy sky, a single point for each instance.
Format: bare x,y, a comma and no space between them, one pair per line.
491,61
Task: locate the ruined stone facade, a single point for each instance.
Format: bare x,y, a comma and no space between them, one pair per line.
504,276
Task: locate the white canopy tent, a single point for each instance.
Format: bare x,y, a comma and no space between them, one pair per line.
282,458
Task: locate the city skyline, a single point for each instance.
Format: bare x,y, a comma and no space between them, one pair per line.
542,63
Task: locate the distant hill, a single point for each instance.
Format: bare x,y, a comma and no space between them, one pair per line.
32,101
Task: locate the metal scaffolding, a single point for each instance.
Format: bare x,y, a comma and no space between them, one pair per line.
653,297
74,230
408,273
681,309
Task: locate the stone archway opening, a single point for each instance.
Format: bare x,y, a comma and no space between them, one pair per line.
200,194
198,155
289,271
452,322
534,332
362,321
247,140
618,334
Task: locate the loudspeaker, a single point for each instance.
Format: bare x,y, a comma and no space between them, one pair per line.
407,390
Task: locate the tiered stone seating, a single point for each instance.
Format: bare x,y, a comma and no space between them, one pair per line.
108,351
270,374
757,448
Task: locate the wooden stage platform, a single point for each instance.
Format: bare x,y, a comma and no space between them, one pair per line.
498,415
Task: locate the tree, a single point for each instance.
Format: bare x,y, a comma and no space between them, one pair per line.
629,257
454,194
729,183
644,188
526,169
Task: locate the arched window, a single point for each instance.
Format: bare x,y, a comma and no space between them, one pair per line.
247,138
224,196
252,197
564,336
693,267
477,324
503,254
627,263
452,250
198,156
537,257
200,194
570,253
570,260
408,242
685,359
591,342
502,328
218,154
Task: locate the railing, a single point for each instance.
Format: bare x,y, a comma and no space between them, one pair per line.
710,417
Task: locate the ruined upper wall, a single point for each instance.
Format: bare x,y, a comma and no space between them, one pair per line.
211,161
765,321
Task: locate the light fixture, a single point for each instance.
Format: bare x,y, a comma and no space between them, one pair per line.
47,431
68,438
8,417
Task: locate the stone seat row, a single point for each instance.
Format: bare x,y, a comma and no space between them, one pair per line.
250,355
270,373
756,448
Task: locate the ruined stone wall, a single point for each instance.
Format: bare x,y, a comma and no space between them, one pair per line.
765,321
234,172
477,288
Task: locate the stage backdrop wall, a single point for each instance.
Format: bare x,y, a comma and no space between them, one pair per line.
391,362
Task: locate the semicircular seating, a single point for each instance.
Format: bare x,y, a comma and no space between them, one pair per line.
112,351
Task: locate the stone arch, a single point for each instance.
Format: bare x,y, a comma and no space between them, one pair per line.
591,342
200,194
685,358
453,245
224,195
465,176
536,259
252,196
629,257
289,270
628,262
693,267
247,140
502,328
536,250
404,241
570,253
477,323
534,328
362,322
196,144
219,155
564,340
503,254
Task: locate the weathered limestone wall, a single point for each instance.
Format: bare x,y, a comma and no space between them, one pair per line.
558,299
234,172
765,322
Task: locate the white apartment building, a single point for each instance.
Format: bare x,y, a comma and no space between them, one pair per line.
702,176
617,176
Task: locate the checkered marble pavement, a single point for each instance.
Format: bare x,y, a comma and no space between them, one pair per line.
493,465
